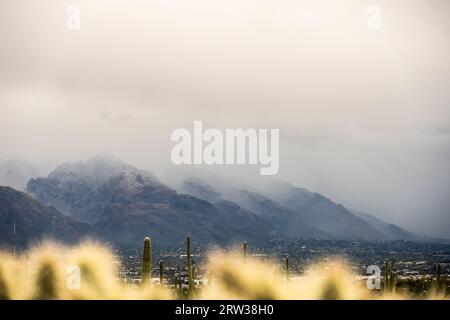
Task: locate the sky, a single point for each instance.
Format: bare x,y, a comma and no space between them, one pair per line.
364,114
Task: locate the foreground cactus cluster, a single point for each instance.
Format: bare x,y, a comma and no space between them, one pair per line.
433,288
48,272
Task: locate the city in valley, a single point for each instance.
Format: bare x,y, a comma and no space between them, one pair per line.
414,263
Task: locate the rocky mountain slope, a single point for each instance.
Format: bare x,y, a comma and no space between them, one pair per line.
298,212
25,222
125,204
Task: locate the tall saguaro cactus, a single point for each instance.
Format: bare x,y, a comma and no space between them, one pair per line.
245,250
393,284
287,267
441,282
390,278
386,277
161,272
189,265
147,261
180,288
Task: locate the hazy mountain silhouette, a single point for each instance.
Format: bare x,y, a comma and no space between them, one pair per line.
125,204
298,212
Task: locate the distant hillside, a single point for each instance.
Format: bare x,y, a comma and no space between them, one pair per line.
25,221
84,190
301,213
267,209
125,204
389,231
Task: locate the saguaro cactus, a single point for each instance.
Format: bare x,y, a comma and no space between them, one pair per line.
147,261
386,276
393,281
434,288
193,273
180,287
441,282
189,265
245,250
209,278
439,271
390,277
287,267
161,272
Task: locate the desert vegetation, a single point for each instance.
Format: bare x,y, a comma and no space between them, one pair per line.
89,271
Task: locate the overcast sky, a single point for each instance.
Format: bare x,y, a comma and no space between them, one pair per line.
364,115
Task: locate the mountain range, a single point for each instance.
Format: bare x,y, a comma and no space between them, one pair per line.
108,199
25,222
124,204
299,213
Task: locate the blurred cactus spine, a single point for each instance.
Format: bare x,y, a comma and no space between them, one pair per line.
189,265
147,261
4,289
46,282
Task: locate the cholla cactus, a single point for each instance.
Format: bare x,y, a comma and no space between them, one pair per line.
46,282
4,288
147,261
330,290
